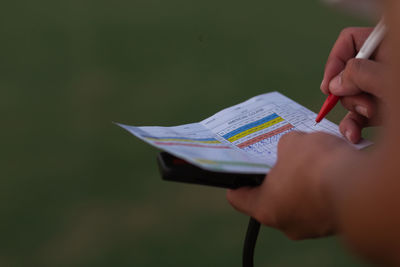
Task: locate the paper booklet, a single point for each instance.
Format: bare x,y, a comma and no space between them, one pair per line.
239,139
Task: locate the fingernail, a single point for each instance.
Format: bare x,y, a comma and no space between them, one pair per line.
362,110
348,135
336,84
322,85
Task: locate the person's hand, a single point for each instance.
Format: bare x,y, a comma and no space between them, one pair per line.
293,198
359,82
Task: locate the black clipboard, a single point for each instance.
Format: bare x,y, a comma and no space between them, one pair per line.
177,170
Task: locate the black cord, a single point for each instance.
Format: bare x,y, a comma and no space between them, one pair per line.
250,242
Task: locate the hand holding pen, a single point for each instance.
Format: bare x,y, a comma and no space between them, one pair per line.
356,81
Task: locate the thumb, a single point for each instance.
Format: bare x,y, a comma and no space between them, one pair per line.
245,199
359,75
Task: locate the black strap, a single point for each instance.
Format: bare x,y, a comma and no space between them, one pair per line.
250,242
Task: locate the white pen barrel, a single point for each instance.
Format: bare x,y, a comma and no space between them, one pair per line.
373,41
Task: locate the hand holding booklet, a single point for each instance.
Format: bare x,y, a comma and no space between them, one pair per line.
239,139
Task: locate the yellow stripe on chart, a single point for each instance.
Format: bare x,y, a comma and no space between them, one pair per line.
255,129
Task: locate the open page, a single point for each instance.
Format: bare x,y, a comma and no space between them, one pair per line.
242,138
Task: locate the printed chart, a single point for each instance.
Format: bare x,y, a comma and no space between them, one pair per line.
242,138
259,137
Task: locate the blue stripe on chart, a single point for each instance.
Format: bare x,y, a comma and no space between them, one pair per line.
251,125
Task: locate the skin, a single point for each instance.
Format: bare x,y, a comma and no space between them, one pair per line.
348,192
357,81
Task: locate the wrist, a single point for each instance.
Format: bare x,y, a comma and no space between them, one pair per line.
334,173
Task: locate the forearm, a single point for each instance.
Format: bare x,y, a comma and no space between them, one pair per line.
364,197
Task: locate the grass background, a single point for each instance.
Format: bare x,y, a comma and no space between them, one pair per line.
78,191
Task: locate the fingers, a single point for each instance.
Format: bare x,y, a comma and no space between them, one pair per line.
346,47
363,104
254,201
287,140
352,125
359,75
244,199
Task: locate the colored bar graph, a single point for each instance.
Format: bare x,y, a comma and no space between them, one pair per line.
250,125
265,136
255,129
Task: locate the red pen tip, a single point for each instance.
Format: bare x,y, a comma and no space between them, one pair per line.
328,105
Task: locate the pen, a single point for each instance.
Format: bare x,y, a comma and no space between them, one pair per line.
369,46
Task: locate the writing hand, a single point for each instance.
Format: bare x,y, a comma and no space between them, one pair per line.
359,82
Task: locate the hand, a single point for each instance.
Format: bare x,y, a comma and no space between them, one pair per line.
360,83
293,198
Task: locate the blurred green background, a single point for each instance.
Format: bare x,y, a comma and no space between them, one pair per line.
78,191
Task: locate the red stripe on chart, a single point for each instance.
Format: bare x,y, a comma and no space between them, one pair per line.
192,145
265,136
